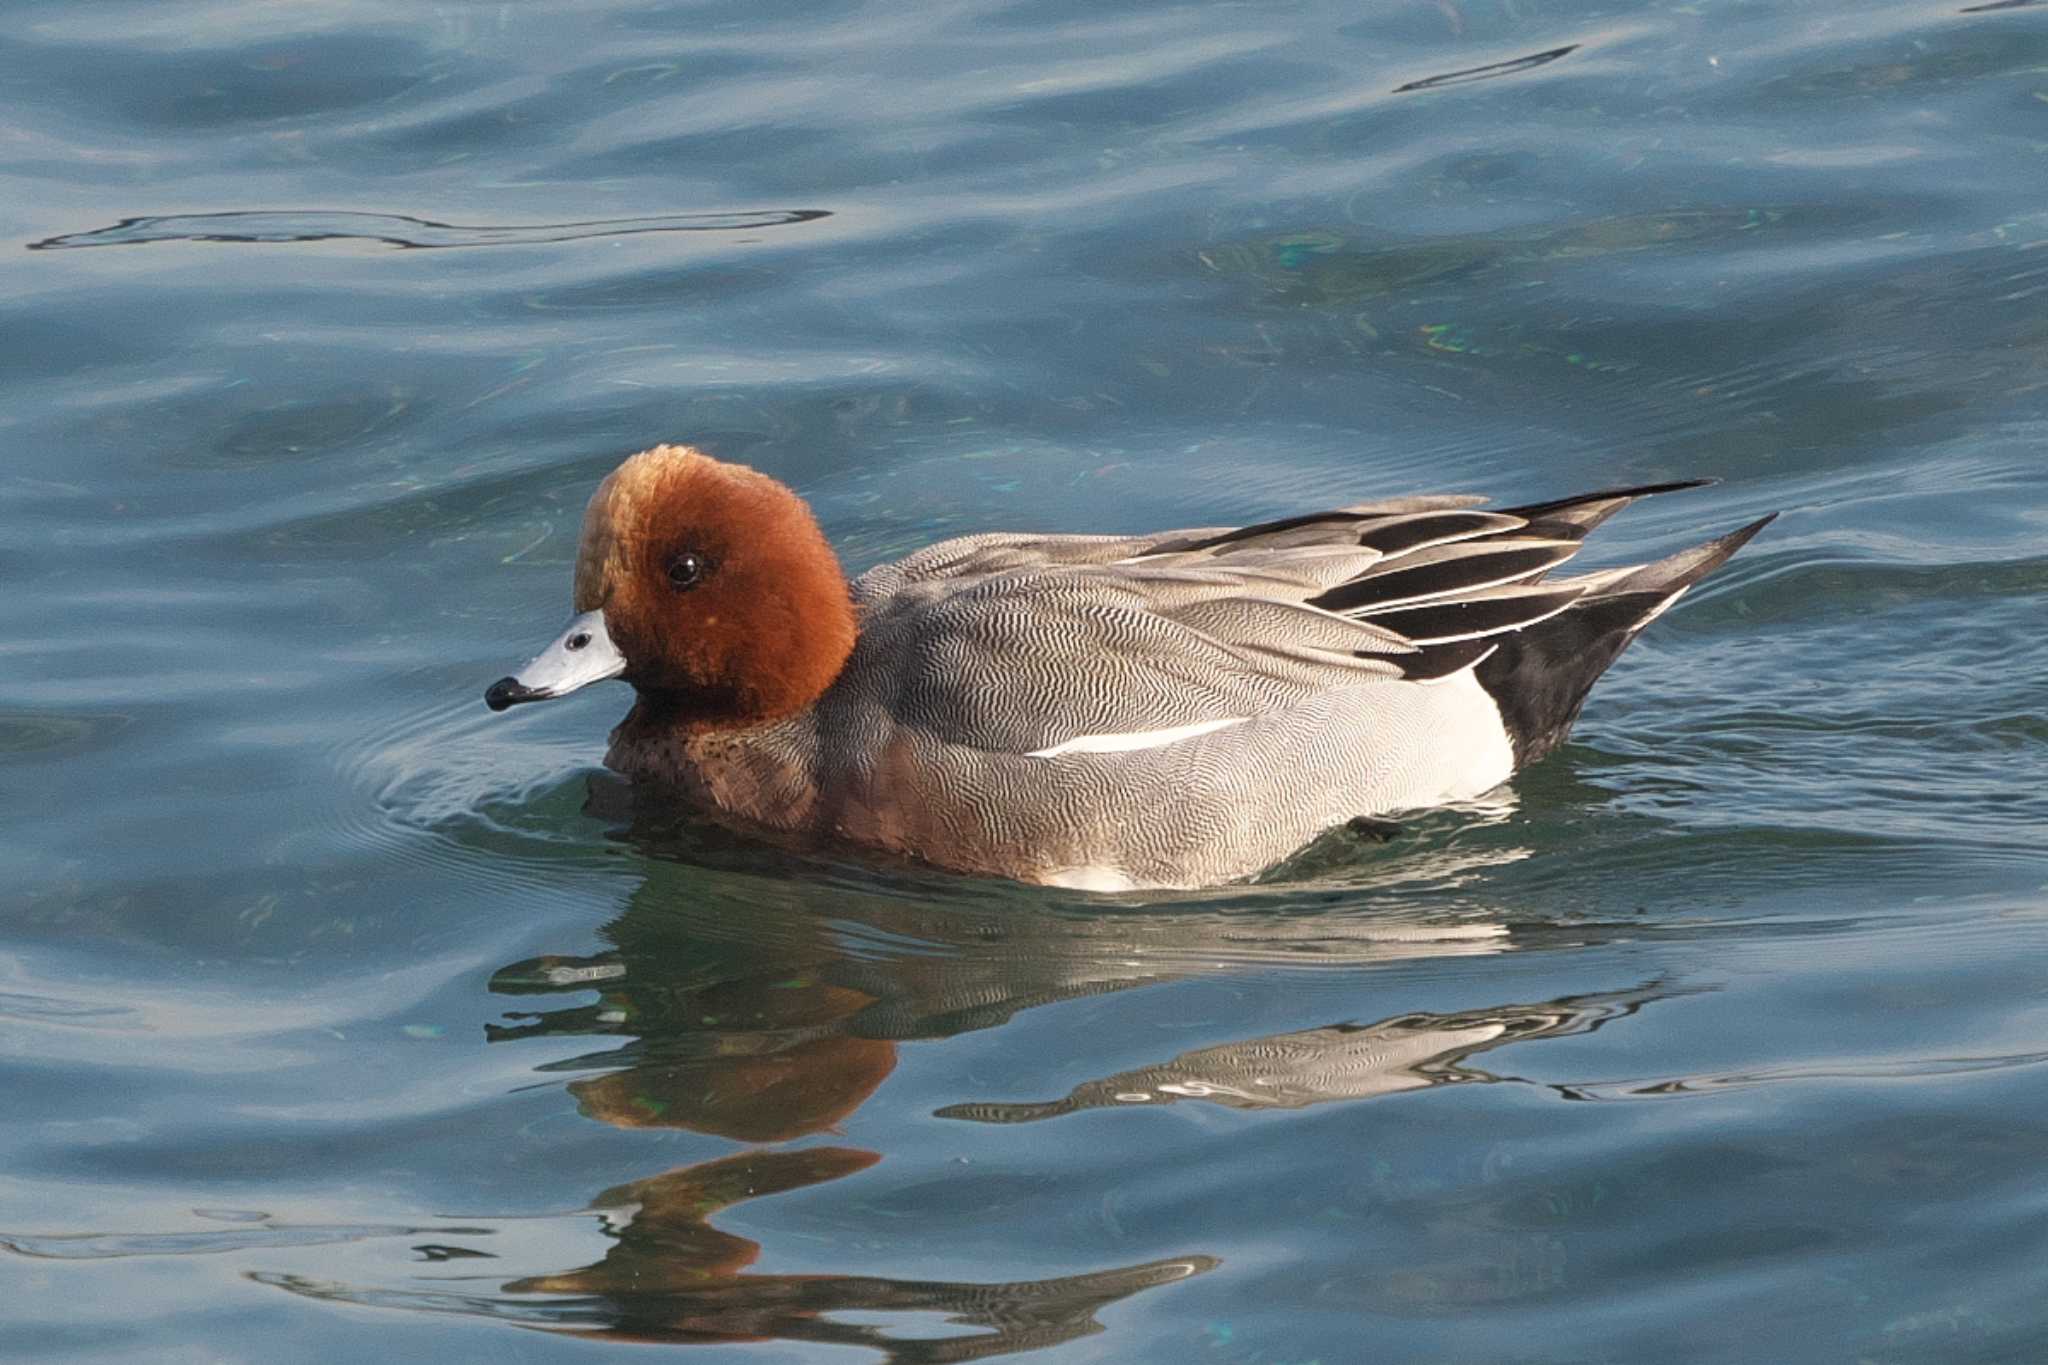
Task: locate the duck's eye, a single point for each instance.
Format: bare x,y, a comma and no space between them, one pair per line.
687,569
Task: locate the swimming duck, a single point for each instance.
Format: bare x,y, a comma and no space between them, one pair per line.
1108,713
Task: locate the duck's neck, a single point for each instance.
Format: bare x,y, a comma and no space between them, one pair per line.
672,713
668,713
761,773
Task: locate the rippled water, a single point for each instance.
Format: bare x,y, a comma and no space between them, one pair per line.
342,1019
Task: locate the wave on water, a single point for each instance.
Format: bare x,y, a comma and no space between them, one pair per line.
400,230
1490,70
441,789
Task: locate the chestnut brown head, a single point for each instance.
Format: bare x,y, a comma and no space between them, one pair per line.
706,585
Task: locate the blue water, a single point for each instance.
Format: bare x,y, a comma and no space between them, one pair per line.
340,1019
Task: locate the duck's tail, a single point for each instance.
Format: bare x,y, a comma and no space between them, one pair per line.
1540,675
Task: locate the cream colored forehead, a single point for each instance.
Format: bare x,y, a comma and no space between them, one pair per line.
621,505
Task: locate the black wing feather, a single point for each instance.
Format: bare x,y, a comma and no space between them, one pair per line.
1401,534
1467,618
1441,661
1252,532
1588,510
1462,568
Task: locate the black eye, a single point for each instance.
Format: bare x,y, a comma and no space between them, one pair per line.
687,569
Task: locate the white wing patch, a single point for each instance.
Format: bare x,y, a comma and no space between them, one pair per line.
1135,739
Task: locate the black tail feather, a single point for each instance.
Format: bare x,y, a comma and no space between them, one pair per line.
1587,510
1688,567
1540,675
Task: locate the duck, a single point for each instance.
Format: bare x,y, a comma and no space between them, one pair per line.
1104,713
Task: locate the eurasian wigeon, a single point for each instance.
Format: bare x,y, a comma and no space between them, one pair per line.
1101,712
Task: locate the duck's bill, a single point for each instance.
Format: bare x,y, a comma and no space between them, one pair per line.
581,655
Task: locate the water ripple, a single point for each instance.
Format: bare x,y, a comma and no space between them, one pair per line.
1490,70
101,1246
400,230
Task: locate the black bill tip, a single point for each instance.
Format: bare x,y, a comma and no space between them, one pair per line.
510,692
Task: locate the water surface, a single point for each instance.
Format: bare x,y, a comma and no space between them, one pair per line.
341,1019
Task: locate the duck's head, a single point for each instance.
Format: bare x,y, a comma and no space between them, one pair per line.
706,585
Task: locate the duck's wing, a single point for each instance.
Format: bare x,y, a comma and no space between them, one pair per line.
1001,552
1049,645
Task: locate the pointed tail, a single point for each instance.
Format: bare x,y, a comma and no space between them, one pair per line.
1540,675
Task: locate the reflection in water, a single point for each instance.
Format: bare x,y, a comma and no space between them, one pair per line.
1348,1061
671,1277
745,1011
399,230
766,1021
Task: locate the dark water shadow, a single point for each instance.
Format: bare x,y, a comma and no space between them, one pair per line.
399,230
1490,70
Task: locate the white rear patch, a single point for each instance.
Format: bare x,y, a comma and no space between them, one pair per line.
1097,878
1135,739
1473,754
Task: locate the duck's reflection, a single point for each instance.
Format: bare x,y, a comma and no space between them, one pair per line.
671,1277
1346,1061
767,1008
785,1027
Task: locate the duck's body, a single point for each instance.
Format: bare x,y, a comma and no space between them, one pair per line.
1171,710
